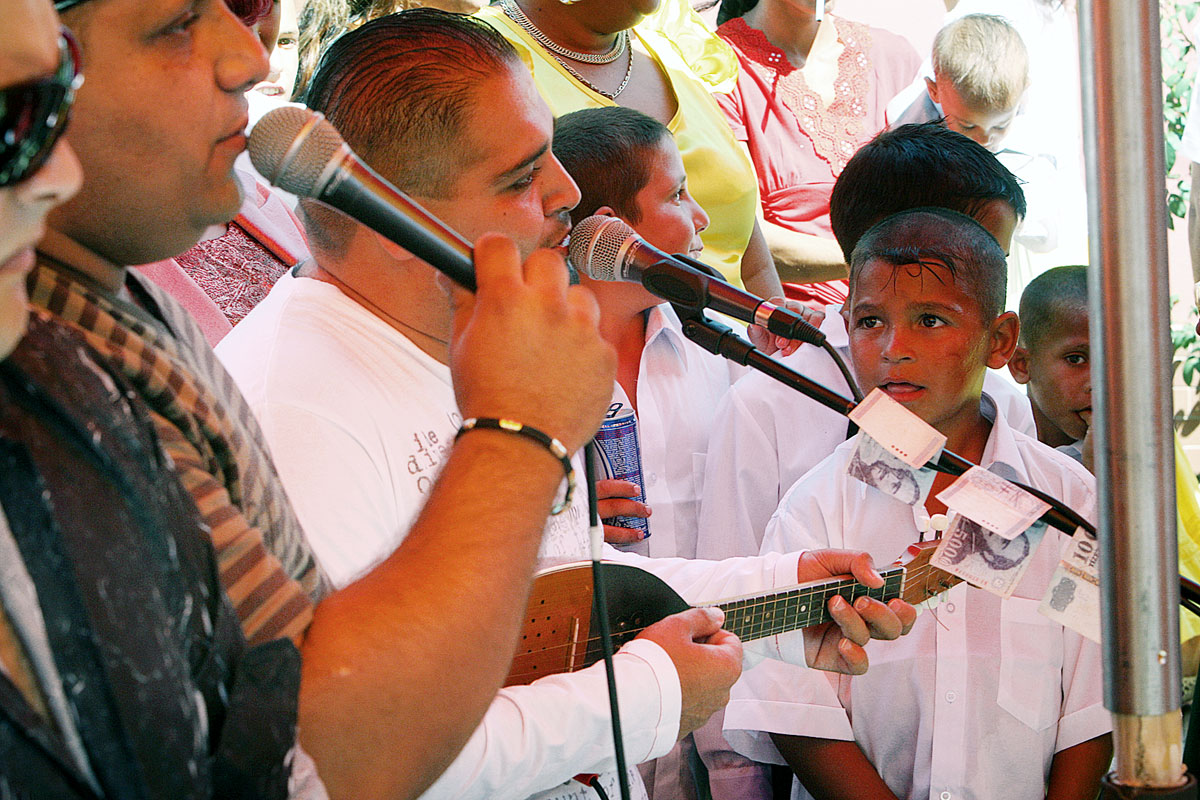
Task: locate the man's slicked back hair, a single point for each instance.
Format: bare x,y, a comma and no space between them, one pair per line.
401,89
923,165
1056,291
939,237
607,152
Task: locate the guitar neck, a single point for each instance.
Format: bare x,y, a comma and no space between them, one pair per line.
770,614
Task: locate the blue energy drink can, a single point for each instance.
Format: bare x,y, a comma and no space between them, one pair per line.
620,457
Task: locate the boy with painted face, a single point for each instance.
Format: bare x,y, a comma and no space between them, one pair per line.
986,698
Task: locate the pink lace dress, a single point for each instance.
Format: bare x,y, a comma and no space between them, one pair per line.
798,143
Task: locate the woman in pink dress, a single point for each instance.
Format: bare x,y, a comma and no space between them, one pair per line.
812,89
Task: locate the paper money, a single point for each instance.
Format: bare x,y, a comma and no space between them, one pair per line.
997,504
902,432
1073,596
875,465
984,559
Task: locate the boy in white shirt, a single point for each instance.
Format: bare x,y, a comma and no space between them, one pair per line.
766,436
1052,359
986,698
673,385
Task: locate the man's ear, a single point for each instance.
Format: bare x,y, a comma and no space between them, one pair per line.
1018,366
931,87
1003,339
605,211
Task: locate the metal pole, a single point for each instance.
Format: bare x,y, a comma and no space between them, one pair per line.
1131,357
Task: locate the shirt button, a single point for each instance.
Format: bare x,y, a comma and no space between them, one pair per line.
950,698
945,796
949,608
653,478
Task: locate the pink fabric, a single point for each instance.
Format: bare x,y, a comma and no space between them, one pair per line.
797,143
171,278
269,222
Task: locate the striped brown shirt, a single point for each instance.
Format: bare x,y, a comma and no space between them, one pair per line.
206,428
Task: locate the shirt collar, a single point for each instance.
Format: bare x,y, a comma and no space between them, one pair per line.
70,254
663,323
1000,454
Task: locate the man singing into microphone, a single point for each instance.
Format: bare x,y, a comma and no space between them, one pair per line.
345,362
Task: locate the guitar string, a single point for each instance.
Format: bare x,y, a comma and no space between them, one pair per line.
919,573
760,603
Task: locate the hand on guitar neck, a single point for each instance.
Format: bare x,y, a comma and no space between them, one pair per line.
837,646
709,659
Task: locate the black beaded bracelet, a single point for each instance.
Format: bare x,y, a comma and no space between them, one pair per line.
556,448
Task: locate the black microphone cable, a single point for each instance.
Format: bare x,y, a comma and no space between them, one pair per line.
600,606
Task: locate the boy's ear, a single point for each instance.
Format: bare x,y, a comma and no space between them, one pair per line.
931,87
1018,366
605,211
1003,339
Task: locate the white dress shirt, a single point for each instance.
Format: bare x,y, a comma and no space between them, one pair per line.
679,386
978,698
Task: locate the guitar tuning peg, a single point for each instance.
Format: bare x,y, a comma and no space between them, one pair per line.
939,522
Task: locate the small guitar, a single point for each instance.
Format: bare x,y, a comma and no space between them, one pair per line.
560,617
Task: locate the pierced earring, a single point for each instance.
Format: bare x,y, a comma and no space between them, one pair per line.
568,2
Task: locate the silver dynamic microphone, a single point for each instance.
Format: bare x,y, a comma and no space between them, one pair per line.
299,151
607,249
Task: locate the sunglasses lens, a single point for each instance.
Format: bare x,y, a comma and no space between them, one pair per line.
33,116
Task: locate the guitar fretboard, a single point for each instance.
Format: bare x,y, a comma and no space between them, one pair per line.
767,615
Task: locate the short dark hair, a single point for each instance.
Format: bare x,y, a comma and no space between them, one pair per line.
944,238
607,151
400,90
923,165
1056,291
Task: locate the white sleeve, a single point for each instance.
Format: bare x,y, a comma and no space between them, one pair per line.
741,481
535,737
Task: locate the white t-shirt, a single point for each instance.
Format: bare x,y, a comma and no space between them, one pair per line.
978,698
766,436
359,421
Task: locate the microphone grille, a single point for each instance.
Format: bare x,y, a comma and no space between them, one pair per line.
598,245
291,146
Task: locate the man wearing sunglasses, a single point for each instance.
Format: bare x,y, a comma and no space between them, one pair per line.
123,671
157,126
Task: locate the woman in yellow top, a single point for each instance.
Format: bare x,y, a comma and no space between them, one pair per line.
588,53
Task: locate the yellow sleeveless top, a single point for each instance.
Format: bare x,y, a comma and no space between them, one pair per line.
720,175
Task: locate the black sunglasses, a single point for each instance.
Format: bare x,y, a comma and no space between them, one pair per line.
33,115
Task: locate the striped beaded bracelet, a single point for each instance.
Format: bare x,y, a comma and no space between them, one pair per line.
556,448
